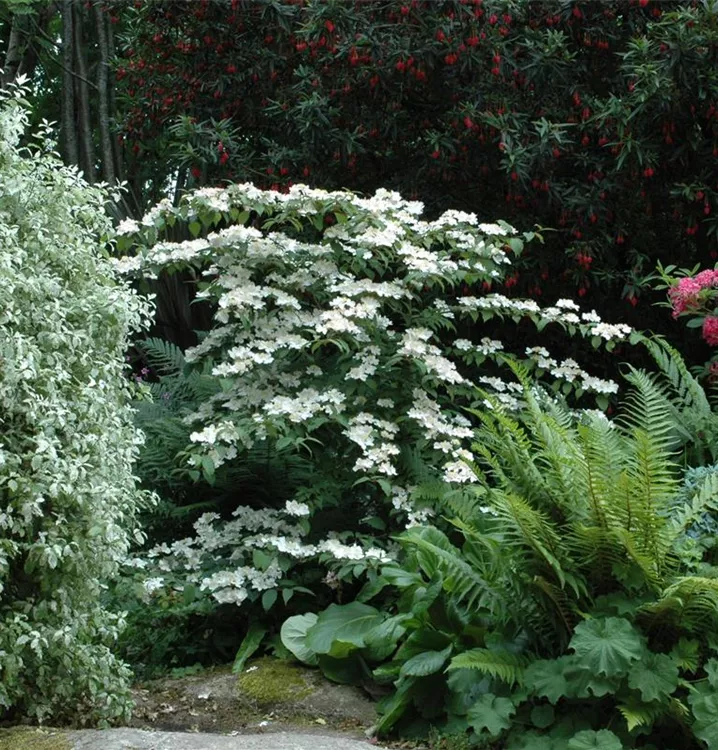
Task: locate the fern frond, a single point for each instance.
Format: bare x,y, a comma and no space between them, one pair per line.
689,604
436,555
524,526
163,356
500,664
603,448
704,499
640,714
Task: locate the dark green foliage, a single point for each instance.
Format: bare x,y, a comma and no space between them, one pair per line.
597,119
571,606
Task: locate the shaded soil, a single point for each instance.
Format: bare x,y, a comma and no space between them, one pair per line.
268,696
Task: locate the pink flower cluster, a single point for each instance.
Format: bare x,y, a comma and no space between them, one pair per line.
710,331
684,297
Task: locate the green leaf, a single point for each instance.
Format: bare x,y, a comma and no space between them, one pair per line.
426,663
491,713
590,740
189,594
382,640
608,645
655,676
393,707
705,711
268,599
582,682
711,668
342,622
341,649
252,641
546,678
345,671
686,654
542,716
495,662
294,637
195,228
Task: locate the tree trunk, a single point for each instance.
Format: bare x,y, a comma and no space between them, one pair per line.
108,159
13,54
87,150
116,146
68,128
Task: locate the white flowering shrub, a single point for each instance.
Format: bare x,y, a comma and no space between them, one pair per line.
345,327
67,442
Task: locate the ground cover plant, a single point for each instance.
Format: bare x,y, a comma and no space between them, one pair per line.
68,500
575,602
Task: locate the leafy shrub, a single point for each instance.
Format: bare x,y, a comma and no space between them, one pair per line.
571,605
346,329
67,491
598,119
692,295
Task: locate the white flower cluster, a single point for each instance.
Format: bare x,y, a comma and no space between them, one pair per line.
315,322
375,438
401,501
570,371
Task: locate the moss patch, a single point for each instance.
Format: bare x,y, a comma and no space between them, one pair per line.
272,681
32,738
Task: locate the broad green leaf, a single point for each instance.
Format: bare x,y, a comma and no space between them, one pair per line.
268,599
342,622
686,654
341,649
705,711
393,707
582,682
491,713
542,716
590,740
294,637
607,646
546,678
381,641
711,668
345,671
252,641
422,640
426,663
655,676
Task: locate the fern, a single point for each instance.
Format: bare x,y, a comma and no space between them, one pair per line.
163,356
640,714
500,664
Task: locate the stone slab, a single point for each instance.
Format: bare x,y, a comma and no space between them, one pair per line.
137,739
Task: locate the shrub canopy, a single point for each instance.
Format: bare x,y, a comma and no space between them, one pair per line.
67,443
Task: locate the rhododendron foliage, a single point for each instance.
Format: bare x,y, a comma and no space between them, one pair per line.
351,328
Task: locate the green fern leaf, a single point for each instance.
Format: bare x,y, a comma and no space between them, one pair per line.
496,663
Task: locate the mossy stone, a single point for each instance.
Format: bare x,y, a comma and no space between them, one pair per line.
273,682
32,738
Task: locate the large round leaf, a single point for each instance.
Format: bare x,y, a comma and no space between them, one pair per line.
348,623
491,713
607,645
294,637
590,740
655,676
